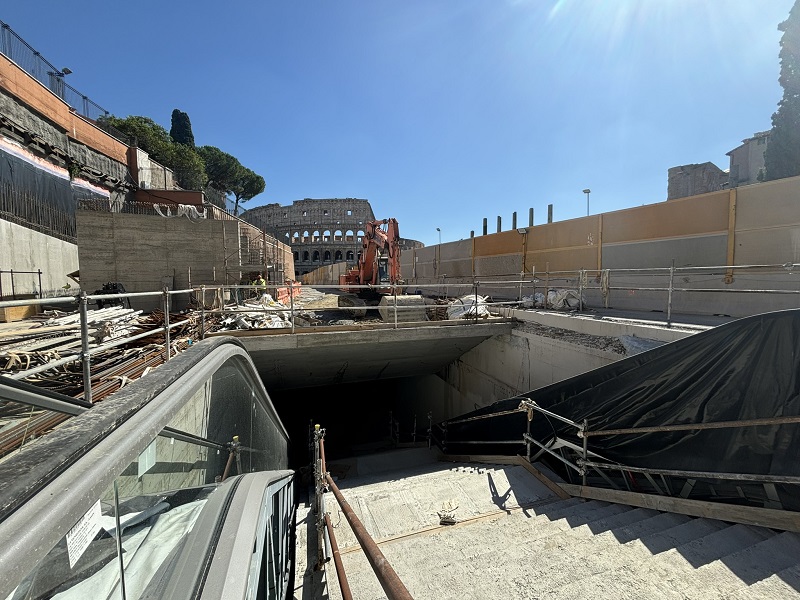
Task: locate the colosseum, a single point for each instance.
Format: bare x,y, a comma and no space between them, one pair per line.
320,231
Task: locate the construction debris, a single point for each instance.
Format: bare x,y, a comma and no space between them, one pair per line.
466,307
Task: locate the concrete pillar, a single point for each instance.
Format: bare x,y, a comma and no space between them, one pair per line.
485,226
549,213
499,224
514,220
530,217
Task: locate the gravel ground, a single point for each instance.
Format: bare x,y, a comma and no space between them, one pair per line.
609,344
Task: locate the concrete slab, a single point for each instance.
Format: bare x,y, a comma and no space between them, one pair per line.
334,357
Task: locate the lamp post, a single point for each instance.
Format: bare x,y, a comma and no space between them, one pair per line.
438,251
440,235
587,191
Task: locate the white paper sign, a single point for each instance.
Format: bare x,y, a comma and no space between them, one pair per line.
147,459
82,534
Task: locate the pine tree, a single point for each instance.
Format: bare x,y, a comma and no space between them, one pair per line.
181,129
782,157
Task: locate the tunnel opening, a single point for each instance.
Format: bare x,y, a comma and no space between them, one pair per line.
360,418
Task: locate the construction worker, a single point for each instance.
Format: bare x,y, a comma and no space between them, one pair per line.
259,281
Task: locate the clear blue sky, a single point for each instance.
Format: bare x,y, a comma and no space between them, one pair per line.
438,112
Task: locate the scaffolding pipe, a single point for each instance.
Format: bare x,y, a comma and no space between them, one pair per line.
337,561
698,426
390,582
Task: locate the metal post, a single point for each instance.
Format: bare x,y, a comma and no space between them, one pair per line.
585,449
414,431
669,294
40,283
13,289
202,312
119,541
165,291
394,291
86,357
291,303
485,225
580,291
475,286
499,224
546,283
514,220
430,427
530,217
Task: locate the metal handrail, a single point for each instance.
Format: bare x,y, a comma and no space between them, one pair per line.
697,426
387,577
753,477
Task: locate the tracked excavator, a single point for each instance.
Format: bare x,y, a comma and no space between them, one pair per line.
379,268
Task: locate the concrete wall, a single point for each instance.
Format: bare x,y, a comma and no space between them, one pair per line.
23,249
757,224
140,251
328,275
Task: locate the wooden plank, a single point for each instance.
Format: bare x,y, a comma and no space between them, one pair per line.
17,313
749,515
557,489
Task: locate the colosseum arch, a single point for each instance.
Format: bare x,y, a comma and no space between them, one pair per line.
360,235
305,256
315,236
337,235
327,256
350,255
348,236
338,255
326,235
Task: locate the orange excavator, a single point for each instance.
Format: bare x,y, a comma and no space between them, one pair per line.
379,268
378,262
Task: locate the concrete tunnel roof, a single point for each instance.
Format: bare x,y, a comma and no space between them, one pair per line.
334,357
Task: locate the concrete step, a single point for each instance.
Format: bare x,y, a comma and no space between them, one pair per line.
633,570
740,570
784,584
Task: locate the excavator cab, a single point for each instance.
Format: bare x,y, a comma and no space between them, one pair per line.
383,271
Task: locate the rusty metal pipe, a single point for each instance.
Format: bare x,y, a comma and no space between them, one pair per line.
337,561
390,582
322,455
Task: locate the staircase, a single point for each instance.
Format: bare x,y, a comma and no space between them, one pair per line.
514,539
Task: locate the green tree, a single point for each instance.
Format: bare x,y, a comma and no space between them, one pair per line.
248,185
188,167
782,157
185,162
181,130
221,168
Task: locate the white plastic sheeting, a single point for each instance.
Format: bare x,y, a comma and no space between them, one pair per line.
465,307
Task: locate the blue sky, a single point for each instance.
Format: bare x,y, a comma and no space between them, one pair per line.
440,112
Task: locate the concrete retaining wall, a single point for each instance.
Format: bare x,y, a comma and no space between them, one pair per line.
751,225
23,249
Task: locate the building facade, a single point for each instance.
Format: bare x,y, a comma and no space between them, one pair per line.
690,180
320,231
747,160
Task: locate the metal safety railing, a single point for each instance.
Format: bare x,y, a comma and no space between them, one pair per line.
327,546
33,63
86,353
587,460
601,281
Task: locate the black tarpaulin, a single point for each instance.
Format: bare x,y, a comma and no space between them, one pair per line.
746,369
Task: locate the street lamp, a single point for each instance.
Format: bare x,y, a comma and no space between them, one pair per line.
440,235
587,191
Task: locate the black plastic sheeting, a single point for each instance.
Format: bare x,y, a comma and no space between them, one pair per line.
45,187
746,369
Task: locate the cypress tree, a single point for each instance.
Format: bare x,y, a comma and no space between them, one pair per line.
782,157
181,129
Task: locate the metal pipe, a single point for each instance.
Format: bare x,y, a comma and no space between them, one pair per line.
86,356
698,426
119,541
39,301
528,403
390,582
13,290
489,416
669,295
530,439
791,479
337,561
580,290
166,322
41,295
202,312
585,447
394,292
